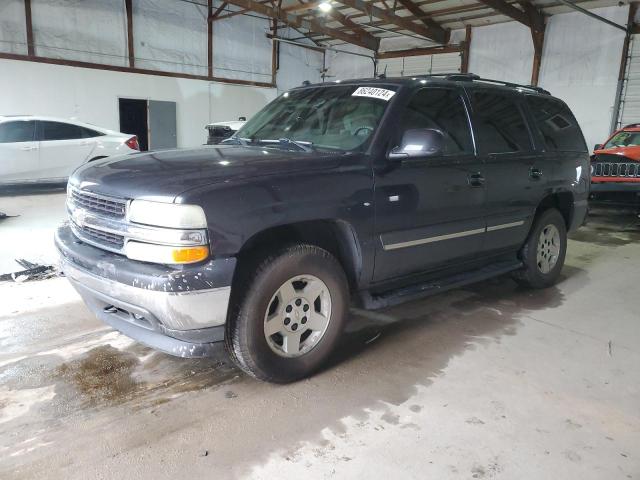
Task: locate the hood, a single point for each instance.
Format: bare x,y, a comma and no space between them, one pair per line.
163,175
626,153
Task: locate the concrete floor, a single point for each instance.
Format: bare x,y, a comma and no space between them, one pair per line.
489,381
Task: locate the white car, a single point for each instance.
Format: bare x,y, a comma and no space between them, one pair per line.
45,149
220,131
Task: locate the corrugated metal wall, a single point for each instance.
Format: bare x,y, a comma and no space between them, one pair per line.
422,65
630,99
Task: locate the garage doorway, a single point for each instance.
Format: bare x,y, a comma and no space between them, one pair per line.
133,120
153,121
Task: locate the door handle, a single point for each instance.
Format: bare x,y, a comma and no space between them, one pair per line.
475,179
535,173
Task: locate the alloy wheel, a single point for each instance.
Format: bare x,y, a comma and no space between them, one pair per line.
297,316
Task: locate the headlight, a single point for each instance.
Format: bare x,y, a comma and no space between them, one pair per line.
166,254
172,215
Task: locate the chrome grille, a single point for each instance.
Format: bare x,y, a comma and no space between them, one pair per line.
607,169
93,202
108,239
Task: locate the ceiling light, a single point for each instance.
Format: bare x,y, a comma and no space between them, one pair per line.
325,7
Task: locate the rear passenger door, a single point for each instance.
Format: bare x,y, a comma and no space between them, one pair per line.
63,147
514,170
564,149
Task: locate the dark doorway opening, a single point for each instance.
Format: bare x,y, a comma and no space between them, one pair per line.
133,120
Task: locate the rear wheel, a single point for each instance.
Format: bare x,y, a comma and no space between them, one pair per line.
290,316
544,252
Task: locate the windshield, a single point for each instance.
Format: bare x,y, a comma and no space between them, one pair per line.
624,139
333,118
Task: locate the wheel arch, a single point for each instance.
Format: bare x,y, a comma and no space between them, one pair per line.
562,201
336,236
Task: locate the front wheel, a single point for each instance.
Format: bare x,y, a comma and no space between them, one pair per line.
544,251
291,315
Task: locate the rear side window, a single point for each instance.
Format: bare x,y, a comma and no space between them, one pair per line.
17,131
88,133
440,109
557,125
60,131
499,123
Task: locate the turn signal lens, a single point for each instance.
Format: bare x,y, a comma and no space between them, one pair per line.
190,254
166,254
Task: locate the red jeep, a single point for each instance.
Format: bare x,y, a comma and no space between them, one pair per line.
615,165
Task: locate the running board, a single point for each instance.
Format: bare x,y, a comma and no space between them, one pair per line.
413,292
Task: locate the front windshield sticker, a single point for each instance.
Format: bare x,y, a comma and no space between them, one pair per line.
372,92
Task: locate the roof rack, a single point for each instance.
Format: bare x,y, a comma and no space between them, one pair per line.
632,125
471,77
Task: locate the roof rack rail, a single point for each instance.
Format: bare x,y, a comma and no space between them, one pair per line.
632,125
461,77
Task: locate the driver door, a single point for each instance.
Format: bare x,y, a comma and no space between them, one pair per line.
429,210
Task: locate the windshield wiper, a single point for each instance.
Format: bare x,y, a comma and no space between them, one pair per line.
300,144
242,141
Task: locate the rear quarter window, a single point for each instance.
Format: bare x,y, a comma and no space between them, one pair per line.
60,131
557,125
89,133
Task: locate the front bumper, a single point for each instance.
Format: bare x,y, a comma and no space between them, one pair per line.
601,187
179,311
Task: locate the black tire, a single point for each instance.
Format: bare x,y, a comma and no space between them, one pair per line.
245,339
531,275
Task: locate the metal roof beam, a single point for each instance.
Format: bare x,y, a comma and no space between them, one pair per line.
297,22
421,15
509,10
437,34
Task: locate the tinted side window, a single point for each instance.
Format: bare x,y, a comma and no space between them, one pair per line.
441,109
60,131
88,133
18,131
500,126
557,125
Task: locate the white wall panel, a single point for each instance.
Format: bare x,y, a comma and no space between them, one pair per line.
170,36
92,95
13,31
342,66
241,49
89,31
298,64
503,51
580,64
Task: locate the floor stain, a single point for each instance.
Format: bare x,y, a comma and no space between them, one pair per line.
102,375
609,227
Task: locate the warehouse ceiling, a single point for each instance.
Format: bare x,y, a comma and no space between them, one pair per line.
364,22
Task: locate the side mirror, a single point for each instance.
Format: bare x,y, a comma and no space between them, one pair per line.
417,143
597,147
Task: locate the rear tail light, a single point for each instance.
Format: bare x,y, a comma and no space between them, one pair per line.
132,143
